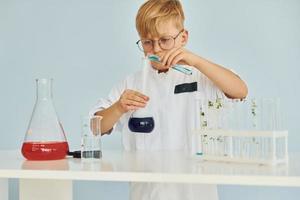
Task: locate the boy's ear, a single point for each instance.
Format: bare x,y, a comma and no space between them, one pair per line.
184,37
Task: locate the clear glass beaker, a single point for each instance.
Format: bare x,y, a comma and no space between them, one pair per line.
45,138
91,137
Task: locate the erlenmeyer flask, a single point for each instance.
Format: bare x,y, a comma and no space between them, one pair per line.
45,138
141,120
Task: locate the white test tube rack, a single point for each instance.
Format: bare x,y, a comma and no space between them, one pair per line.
240,131
260,147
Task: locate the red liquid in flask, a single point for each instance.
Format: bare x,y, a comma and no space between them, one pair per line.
45,150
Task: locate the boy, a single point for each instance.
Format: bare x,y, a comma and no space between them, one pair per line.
160,25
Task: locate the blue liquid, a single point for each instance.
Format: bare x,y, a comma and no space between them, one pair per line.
141,125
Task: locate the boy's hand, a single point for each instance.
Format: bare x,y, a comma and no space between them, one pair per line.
177,56
132,100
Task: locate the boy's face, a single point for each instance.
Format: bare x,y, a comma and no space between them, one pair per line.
169,36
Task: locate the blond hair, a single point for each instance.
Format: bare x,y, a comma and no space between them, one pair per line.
153,12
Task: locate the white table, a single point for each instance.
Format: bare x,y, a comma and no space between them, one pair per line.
36,177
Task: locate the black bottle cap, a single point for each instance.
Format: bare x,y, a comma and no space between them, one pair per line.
86,154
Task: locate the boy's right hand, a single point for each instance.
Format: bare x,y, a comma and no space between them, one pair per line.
132,100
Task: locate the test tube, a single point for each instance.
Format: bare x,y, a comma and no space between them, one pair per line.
256,152
204,144
212,145
266,148
237,147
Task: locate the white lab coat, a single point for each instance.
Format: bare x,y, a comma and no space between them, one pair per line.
174,116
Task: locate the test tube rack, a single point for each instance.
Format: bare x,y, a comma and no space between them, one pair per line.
245,131
261,147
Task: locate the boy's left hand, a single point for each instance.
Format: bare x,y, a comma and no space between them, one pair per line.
177,56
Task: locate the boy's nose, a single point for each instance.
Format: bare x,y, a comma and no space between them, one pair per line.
156,47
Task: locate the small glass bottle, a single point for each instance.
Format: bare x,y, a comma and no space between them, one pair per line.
45,138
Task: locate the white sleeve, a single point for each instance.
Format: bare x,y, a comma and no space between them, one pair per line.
208,88
104,103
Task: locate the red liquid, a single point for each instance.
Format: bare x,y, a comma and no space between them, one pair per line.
45,150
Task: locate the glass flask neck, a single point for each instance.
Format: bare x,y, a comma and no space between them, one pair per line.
44,89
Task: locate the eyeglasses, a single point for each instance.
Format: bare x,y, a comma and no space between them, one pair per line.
165,43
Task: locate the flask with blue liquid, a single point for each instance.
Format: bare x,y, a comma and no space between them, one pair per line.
141,120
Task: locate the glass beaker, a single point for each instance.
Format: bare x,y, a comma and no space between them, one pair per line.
91,137
45,138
